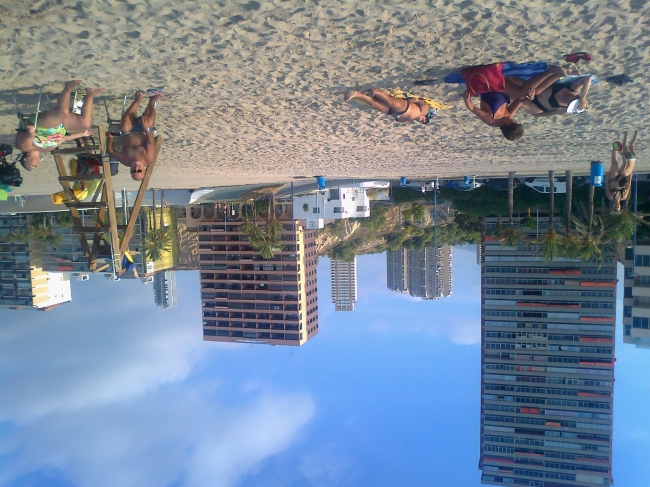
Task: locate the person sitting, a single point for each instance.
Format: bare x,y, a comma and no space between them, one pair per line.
561,98
496,108
54,125
618,182
402,110
138,145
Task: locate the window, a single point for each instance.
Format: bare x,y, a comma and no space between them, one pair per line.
335,194
627,311
640,322
338,209
642,260
627,292
628,330
316,210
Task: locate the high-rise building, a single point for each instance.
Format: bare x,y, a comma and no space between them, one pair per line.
164,289
23,282
249,299
547,367
636,296
344,284
397,264
423,273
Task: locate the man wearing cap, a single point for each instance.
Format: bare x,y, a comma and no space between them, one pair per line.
560,98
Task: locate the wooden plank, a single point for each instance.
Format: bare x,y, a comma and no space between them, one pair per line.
112,219
85,205
60,165
76,150
140,197
105,266
103,128
98,191
97,238
85,177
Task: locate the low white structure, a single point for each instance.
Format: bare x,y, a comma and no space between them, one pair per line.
335,203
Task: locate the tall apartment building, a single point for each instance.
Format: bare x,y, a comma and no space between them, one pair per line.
423,273
23,282
344,284
636,296
547,368
164,289
249,299
397,265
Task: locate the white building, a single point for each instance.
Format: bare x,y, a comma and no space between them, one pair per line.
336,203
636,296
344,284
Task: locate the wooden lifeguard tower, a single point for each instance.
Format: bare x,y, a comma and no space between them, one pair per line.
106,228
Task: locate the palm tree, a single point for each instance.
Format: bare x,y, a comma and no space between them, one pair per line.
550,247
156,242
512,236
619,227
527,222
499,231
570,244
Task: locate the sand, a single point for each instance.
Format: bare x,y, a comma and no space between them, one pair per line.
255,89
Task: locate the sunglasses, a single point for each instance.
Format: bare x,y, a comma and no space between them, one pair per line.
133,171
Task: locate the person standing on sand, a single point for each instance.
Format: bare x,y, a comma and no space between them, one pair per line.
138,145
53,126
619,181
402,109
497,110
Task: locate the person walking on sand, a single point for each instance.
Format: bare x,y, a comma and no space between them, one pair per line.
497,110
402,109
54,125
618,181
138,146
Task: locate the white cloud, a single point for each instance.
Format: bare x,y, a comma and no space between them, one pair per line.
111,395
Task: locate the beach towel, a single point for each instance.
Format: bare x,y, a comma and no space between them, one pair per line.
436,105
524,71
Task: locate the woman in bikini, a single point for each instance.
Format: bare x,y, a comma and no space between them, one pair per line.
53,126
560,98
497,110
402,109
619,181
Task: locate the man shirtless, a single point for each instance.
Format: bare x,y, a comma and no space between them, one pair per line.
138,144
53,126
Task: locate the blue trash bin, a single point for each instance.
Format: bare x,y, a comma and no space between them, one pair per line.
321,182
466,180
403,182
597,178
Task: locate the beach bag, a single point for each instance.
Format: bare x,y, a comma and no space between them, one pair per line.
10,174
484,78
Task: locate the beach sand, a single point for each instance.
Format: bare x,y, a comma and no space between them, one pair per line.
255,89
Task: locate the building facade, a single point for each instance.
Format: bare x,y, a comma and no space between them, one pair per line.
164,289
23,282
547,367
344,284
249,299
423,273
636,296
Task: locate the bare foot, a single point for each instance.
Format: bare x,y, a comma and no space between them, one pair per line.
157,97
71,85
95,92
138,95
352,94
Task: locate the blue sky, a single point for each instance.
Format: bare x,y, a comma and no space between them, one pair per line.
110,391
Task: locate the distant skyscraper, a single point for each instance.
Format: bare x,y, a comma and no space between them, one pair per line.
164,289
547,367
423,273
397,270
344,284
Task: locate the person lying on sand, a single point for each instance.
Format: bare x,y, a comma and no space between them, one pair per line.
559,98
138,144
402,109
53,126
497,110
619,181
